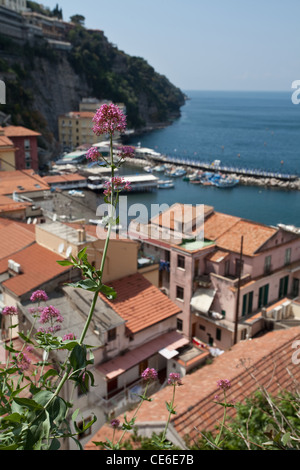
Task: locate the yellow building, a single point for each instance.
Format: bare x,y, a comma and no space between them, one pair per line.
7,153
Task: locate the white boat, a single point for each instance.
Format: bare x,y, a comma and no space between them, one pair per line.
159,168
148,169
178,172
165,184
75,193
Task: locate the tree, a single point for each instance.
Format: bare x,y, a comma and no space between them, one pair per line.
78,19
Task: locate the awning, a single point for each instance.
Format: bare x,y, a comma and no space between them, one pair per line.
203,299
169,342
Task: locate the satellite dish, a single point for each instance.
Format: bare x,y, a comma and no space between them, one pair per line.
61,248
69,251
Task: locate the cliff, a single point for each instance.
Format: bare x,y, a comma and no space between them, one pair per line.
43,82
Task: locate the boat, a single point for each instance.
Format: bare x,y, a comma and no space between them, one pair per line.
75,193
165,184
221,181
159,168
148,169
177,172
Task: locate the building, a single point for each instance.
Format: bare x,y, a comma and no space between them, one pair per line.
135,330
7,153
26,146
15,5
75,129
261,362
225,280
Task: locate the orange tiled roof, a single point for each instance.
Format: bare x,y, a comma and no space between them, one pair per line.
63,178
268,358
140,303
18,131
38,266
218,255
5,142
180,212
255,235
14,238
217,224
8,205
21,182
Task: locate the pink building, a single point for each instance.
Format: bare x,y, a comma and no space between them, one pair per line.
25,143
241,279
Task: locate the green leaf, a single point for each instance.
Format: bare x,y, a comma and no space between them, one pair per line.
28,403
82,253
109,292
65,262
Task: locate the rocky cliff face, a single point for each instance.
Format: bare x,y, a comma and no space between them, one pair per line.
43,83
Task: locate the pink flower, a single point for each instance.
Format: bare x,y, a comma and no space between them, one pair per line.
10,311
39,295
118,183
23,361
69,337
115,423
126,152
93,154
108,119
149,374
224,384
50,314
174,379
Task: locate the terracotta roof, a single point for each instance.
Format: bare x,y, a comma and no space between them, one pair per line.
18,131
5,141
14,238
179,212
63,178
218,256
255,235
268,359
38,266
217,224
21,182
140,303
9,205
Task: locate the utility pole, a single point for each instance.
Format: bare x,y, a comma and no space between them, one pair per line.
238,294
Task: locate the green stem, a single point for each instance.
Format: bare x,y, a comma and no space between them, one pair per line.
169,417
223,421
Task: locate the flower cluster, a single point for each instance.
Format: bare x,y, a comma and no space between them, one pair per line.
39,295
50,315
10,310
69,337
108,119
117,184
115,423
149,374
93,154
224,384
174,379
125,152
23,361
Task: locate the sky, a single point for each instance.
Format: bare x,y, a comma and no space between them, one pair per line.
203,44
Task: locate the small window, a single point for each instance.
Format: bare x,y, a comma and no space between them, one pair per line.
267,264
179,324
180,262
218,334
112,334
179,292
287,256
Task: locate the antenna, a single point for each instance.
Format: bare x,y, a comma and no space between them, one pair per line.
69,251
61,248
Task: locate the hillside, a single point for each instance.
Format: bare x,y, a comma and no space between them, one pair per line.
43,82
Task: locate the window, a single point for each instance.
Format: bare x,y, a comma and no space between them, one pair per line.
247,303
179,292
263,296
227,268
267,264
295,289
180,261
287,256
27,144
112,334
179,324
223,312
218,334
283,287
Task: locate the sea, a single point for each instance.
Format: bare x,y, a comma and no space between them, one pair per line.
257,130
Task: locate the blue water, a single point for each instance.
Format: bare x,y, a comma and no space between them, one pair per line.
259,130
